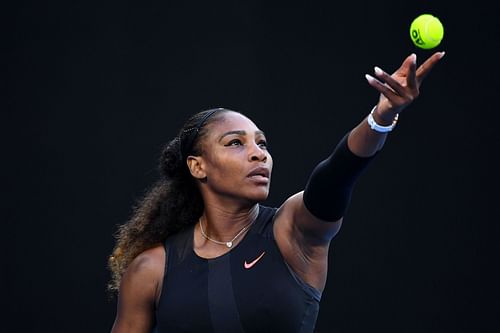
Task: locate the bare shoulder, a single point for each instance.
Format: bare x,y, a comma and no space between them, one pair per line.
150,262
144,276
145,273
139,290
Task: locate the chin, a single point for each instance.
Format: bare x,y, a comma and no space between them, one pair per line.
259,196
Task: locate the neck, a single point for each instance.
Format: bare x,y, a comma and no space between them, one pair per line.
223,223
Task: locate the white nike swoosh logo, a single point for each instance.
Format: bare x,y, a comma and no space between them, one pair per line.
250,265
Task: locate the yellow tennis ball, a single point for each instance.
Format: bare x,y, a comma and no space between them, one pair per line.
426,31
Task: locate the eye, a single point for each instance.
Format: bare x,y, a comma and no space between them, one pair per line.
262,143
235,142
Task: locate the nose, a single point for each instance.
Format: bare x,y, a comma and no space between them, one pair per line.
256,153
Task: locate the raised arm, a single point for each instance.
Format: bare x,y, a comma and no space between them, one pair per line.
307,221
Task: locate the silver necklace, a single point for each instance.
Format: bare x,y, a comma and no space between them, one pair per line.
229,244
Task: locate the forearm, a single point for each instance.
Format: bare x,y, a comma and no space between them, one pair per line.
328,191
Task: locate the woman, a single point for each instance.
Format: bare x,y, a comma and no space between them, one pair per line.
202,255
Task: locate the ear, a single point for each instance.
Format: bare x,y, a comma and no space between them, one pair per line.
196,167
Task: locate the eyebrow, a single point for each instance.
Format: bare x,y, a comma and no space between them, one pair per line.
239,132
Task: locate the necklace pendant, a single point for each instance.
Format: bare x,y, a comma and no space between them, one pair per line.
229,244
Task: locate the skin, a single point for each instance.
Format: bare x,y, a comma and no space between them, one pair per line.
233,148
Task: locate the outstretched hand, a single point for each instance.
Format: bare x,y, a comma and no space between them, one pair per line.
399,89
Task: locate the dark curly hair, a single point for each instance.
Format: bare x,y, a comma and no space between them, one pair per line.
171,204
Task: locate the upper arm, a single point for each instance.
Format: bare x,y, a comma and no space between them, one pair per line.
139,289
296,220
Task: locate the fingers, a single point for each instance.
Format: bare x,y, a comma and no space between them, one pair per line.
392,82
411,78
407,70
382,88
402,87
410,61
424,69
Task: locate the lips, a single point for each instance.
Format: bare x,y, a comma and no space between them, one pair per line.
259,172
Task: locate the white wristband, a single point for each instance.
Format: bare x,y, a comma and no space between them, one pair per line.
379,128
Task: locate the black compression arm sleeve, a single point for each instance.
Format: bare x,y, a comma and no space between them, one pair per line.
328,191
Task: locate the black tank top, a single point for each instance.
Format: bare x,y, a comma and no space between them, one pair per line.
249,289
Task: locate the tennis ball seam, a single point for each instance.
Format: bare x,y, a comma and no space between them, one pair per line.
426,31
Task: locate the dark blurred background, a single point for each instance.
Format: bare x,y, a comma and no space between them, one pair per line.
91,90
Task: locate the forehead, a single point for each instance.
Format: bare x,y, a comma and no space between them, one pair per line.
232,121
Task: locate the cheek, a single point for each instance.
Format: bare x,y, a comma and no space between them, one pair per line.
270,162
227,167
